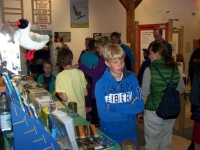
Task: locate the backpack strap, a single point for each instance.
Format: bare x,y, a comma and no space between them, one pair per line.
162,76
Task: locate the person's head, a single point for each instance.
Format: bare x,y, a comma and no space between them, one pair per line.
145,53
179,58
115,38
101,44
64,57
159,51
91,45
157,33
47,67
87,40
114,57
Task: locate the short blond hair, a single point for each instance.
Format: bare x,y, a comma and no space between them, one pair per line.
113,51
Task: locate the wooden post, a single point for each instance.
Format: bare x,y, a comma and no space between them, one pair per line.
130,6
130,20
170,30
136,54
181,39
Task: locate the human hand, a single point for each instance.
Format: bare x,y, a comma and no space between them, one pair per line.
75,66
140,118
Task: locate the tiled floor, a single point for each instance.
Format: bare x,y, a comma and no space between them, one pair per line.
179,143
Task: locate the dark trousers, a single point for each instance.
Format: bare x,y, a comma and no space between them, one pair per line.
193,107
94,113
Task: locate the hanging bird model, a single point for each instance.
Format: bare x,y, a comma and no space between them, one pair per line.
30,40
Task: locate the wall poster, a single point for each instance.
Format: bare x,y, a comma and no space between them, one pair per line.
145,37
79,16
62,36
41,10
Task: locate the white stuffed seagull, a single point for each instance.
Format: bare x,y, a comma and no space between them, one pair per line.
29,40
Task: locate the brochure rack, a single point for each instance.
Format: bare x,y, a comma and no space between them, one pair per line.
29,133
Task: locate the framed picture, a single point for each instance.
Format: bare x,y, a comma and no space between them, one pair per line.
62,36
79,16
41,11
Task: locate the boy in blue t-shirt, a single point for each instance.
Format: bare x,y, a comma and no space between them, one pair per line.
48,78
119,97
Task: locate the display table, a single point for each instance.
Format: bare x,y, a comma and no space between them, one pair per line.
78,120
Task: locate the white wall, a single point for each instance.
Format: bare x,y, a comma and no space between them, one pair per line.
109,15
154,11
105,16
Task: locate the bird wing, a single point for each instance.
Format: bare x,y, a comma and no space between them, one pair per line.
75,10
38,37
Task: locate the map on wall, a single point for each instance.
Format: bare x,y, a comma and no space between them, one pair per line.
79,16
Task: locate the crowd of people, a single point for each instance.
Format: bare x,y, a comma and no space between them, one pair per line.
109,95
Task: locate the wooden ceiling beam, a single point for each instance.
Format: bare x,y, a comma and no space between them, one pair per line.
125,4
137,2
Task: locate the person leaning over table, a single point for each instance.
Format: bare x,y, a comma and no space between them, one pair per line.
71,83
158,132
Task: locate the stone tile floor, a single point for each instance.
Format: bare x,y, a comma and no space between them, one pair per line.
178,142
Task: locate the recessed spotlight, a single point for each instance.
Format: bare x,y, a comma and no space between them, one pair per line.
193,14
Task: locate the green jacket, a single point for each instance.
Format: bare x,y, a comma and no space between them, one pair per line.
158,85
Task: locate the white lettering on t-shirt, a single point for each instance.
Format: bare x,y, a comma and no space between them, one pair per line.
119,97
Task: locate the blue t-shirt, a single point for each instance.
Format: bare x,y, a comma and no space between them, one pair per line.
89,59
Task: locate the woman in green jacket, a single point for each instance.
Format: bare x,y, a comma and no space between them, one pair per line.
158,132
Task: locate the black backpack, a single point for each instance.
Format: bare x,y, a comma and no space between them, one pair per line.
169,106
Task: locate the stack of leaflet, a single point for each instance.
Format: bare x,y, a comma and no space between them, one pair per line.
40,96
65,130
43,97
37,91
